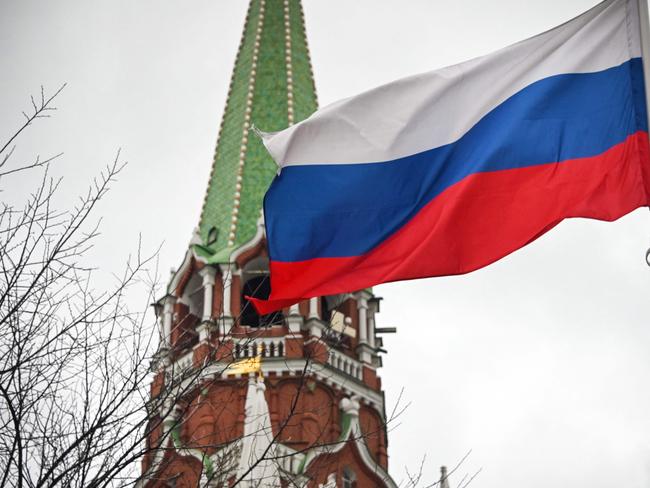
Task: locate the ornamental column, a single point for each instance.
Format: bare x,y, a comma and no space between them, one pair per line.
226,321
208,274
362,306
294,320
313,308
372,310
364,350
167,319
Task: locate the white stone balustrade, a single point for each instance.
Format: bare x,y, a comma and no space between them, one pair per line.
183,364
272,347
345,364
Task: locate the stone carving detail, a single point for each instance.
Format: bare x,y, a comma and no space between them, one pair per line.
350,406
330,483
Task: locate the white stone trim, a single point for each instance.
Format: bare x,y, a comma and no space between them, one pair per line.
366,457
226,280
288,458
325,373
345,363
252,344
182,364
363,352
180,272
355,432
371,325
208,273
362,306
167,320
313,308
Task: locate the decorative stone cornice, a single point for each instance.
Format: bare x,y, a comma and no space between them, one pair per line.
185,375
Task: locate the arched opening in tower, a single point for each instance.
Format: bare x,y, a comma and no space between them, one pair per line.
257,284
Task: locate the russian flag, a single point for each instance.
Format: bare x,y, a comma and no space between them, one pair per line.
446,172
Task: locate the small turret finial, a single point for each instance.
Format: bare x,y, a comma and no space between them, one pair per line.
444,477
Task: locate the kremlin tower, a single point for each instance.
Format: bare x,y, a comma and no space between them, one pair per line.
287,399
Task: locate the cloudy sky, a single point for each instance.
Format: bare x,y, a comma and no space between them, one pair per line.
539,364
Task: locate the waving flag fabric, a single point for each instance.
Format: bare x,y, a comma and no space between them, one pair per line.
446,172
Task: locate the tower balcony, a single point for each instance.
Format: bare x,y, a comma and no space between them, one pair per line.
206,312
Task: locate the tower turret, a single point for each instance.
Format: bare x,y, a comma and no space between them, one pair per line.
313,413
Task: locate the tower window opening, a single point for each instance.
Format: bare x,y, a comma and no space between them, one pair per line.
257,284
330,304
213,234
349,478
326,314
193,295
258,287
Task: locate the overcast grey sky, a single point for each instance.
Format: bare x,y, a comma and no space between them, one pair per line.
538,363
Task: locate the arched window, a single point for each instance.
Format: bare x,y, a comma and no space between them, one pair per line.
349,478
188,314
329,304
257,284
326,310
193,295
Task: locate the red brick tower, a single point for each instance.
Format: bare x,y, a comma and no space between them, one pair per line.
314,415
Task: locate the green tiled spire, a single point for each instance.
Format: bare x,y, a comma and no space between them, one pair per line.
272,87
